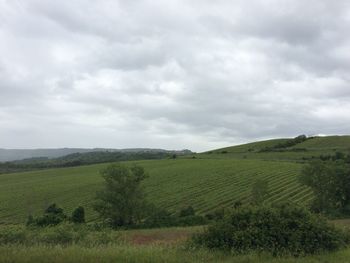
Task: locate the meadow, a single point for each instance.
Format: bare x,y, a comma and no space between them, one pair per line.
206,184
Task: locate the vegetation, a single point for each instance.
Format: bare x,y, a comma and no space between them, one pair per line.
330,182
122,201
78,215
78,159
205,184
286,144
54,215
260,191
218,185
282,229
83,243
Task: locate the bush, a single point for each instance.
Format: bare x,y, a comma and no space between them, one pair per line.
187,211
194,220
53,215
62,234
58,235
159,218
12,235
284,229
78,215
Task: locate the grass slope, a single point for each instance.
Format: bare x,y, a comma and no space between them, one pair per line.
207,182
204,183
312,148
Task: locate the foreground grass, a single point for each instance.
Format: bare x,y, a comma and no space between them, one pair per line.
143,254
142,245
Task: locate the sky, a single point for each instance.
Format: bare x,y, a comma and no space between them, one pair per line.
171,74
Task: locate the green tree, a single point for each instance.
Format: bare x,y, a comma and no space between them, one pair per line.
78,215
260,191
122,201
330,182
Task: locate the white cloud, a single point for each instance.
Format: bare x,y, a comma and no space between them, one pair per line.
175,74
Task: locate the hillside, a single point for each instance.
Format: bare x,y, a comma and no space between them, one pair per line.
311,148
205,184
8,155
205,181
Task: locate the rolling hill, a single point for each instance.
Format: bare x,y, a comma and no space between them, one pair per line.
206,181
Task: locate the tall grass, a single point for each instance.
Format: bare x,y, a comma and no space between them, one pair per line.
145,254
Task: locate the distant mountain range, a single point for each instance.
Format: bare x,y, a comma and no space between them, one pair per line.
7,155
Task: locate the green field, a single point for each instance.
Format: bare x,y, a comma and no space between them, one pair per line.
208,181
204,183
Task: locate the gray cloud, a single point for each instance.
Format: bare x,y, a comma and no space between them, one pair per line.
175,74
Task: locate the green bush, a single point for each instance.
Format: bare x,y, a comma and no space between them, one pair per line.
52,216
187,211
62,234
78,215
194,220
12,235
159,218
283,229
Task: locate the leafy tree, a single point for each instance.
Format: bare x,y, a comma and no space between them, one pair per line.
122,201
260,191
78,215
330,182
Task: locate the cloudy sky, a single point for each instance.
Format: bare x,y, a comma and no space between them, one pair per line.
173,74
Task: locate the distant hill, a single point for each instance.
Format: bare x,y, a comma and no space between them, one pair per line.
337,142
7,155
304,148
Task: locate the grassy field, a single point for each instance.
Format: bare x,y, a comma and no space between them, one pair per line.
208,181
205,184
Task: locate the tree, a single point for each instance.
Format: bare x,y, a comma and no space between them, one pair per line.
122,201
78,215
260,191
330,182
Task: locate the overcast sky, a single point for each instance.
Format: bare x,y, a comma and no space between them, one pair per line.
171,74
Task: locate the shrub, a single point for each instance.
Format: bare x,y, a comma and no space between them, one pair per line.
283,229
78,215
159,218
187,211
12,235
52,216
194,220
57,235
216,215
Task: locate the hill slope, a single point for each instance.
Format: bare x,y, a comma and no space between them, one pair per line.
209,181
205,184
311,148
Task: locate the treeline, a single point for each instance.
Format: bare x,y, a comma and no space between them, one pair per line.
282,146
77,159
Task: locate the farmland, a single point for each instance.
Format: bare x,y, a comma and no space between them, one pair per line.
210,180
203,183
